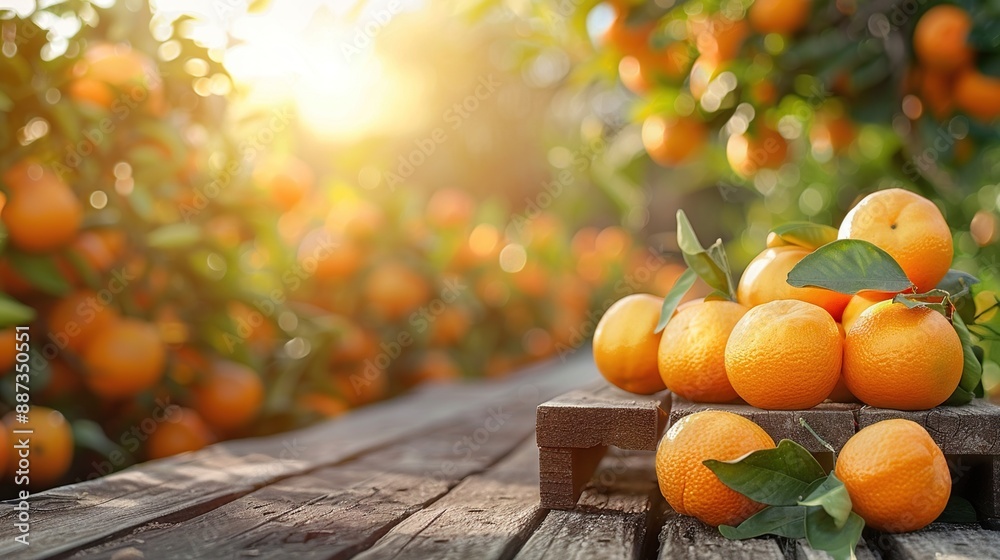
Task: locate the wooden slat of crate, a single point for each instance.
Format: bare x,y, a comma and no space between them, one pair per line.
834,422
573,432
601,414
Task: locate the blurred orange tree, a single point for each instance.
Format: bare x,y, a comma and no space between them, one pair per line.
188,279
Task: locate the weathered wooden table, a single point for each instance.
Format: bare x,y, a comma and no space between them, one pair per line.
446,472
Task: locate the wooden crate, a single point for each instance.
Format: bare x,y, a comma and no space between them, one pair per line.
573,432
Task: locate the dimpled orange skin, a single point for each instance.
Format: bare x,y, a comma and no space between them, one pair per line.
907,359
908,227
766,279
625,346
692,353
896,475
784,355
688,485
860,302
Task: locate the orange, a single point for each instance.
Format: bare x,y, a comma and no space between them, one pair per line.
125,358
51,447
62,382
77,318
626,38
640,72
100,249
230,396
42,213
329,256
688,485
286,180
450,208
896,475
747,153
673,141
394,289
840,392
719,39
779,16
908,359
937,92
692,351
908,227
835,132
183,431
249,323
860,302
625,346
8,350
5,444
115,73
450,325
434,366
784,355
765,279
361,384
978,94
939,39
353,344
323,405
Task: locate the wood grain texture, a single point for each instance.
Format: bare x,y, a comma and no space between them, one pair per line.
488,516
337,511
70,517
563,472
804,552
616,518
601,414
940,540
686,538
970,429
834,422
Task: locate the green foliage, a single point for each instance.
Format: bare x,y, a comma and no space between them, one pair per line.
780,476
849,266
806,234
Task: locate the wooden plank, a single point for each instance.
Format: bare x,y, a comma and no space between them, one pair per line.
487,516
338,511
601,414
972,429
616,518
563,473
834,422
70,517
805,552
940,540
686,538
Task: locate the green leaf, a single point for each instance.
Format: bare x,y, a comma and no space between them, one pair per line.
674,297
959,397
785,521
779,477
957,282
972,369
40,271
806,234
699,260
823,533
849,266
14,313
174,236
958,510
832,496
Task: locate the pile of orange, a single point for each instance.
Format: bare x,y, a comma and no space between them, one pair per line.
779,347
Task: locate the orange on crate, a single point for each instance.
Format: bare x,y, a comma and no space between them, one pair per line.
692,351
784,355
625,347
764,280
902,358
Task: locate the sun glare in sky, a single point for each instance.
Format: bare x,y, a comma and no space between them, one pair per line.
318,54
